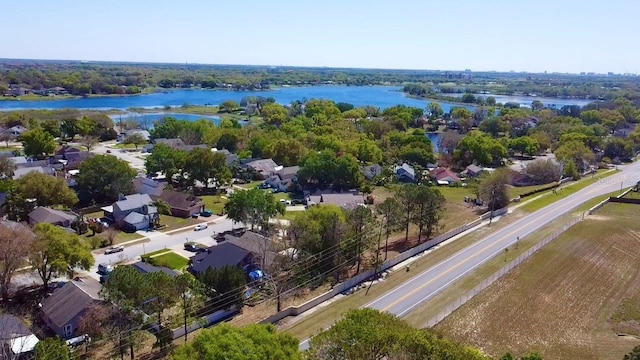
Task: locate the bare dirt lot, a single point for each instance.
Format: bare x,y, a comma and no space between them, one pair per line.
572,300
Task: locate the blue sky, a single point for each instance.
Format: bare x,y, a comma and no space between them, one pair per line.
503,35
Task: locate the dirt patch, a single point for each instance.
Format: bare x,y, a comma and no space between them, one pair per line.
599,218
567,301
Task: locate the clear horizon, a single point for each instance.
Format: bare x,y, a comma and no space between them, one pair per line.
564,37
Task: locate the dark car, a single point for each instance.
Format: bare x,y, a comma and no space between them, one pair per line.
206,213
194,247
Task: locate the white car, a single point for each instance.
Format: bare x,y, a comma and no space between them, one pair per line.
114,249
200,227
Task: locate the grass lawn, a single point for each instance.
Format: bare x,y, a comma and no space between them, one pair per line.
290,215
632,195
250,185
456,194
566,190
214,203
515,191
170,260
124,146
171,222
156,253
569,301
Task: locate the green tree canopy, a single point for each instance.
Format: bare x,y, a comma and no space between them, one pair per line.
52,348
135,139
103,177
253,207
207,167
493,189
37,143
166,160
56,252
253,342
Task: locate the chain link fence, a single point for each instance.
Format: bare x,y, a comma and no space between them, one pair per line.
500,273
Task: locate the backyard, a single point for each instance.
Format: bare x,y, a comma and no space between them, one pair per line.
569,301
215,203
167,259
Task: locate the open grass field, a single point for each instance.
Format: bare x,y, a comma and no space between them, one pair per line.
569,301
515,191
172,223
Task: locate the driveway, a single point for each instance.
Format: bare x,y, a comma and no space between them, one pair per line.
134,158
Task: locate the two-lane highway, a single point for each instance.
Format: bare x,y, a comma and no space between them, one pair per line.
401,300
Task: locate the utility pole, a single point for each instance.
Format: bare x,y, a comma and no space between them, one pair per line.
517,240
375,273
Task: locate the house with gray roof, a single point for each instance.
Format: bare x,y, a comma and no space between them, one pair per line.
371,171
405,173
144,133
22,171
264,167
63,310
345,200
133,212
51,216
230,158
264,250
219,256
473,170
144,185
146,268
16,340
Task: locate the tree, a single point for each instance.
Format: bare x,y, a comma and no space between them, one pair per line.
103,178
253,207
576,152
191,294
253,342
618,148
37,143
435,110
55,252
46,190
15,242
135,139
5,137
391,211
163,292
162,206
365,334
225,286
493,189
7,168
69,127
405,195
89,141
524,145
273,114
480,148
360,221
347,173
429,207
543,171
51,349
207,167
468,98
228,106
494,126
165,160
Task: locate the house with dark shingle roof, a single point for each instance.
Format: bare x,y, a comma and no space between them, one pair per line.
146,268
63,310
219,256
182,204
473,170
51,216
144,185
264,167
371,171
263,249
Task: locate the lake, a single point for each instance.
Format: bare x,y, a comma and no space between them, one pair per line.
527,100
380,96
148,119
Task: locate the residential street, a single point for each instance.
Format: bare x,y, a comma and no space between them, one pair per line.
159,241
133,160
401,300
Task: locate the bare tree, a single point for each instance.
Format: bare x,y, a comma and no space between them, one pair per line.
15,240
7,168
6,137
111,234
89,141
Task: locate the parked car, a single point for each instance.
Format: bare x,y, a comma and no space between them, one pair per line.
206,213
296,202
194,247
105,269
200,227
104,278
114,249
195,216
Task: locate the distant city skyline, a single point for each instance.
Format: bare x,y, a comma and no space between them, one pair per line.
568,36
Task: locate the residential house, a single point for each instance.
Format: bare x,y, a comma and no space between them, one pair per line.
16,340
176,144
16,90
371,171
21,171
63,310
144,133
51,216
345,200
132,213
229,157
443,176
405,173
219,256
146,268
14,132
264,167
285,179
473,171
182,204
71,157
520,179
263,249
144,185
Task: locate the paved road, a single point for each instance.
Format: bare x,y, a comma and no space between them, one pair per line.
159,241
133,158
401,300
